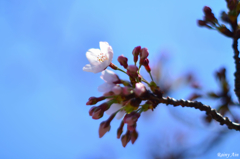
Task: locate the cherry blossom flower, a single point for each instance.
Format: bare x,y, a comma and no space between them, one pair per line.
99,59
110,78
115,107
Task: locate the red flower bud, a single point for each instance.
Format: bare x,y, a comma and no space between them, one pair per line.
123,61
103,128
125,139
94,100
91,110
104,106
134,136
136,52
120,130
207,10
201,23
97,113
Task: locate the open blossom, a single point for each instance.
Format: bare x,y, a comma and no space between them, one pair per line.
115,107
110,78
99,59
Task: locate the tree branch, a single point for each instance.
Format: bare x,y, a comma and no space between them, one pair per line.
198,105
237,65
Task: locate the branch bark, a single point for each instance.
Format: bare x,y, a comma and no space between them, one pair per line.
198,105
237,66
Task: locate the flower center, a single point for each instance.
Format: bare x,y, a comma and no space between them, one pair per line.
101,57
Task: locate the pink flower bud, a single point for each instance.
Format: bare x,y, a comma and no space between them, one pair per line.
104,106
123,61
144,53
103,128
139,89
132,127
134,136
125,139
97,113
131,118
132,70
136,52
120,130
91,110
117,90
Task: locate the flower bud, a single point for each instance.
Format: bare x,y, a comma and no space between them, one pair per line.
104,106
139,89
132,127
105,125
120,130
125,139
134,136
97,113
132,70
123,61
136,52
131,118
144,53
207,10
225,17
91,110
103,128
114,67
94,100
201,23
146,65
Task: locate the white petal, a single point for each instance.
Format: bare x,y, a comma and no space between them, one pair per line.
92,56
120,114
109,76
91,68
87,68
114,107
104,47
105,87
107,50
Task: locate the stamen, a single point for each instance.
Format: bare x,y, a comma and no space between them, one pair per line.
101,57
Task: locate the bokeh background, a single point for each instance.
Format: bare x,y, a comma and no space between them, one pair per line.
43,90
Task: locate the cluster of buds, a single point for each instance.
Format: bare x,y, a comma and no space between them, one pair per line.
211,22
124,98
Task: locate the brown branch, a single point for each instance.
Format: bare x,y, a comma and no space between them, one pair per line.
198,105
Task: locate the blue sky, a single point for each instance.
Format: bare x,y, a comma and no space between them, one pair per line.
44,90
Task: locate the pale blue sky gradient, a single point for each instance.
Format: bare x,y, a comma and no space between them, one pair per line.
43,90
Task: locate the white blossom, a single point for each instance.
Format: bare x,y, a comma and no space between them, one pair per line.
109,77
99,59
